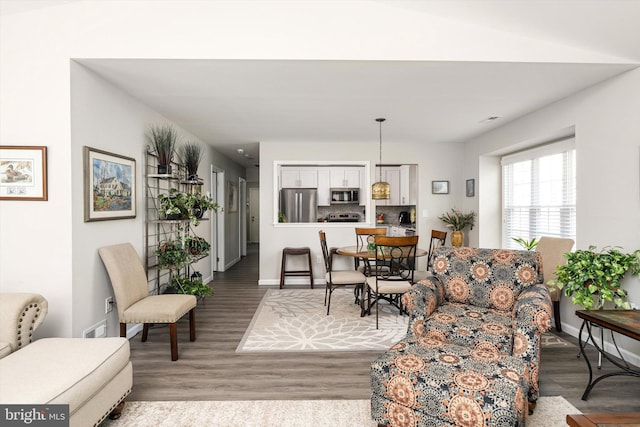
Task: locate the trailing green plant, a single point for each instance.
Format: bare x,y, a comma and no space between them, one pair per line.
526,244
184,285
590,273
171,255
457,220
196,246
178,205
191,154
165,140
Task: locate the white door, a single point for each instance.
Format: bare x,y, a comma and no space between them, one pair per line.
254,215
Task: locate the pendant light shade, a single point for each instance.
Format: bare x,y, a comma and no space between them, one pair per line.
380,190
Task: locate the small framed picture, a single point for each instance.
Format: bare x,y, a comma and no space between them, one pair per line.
471,187
232,196
23,172
109,186
440,187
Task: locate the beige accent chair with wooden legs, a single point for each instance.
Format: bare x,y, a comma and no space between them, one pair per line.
133,301
552,250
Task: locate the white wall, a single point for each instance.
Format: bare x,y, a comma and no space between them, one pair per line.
104,117
435,162
607,134
39,250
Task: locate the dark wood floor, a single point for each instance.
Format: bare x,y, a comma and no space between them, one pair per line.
209,368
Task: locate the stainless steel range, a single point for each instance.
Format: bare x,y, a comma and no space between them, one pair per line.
344,217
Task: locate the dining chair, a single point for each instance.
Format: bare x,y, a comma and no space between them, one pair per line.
337,278
365,236
552,250
388,284
135,305
437,239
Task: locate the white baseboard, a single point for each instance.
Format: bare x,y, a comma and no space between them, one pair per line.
609,347
133,329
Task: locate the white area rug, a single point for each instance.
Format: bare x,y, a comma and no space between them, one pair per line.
550,412
296,320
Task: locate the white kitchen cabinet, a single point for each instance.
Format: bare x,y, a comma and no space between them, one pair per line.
299,177
408,185
324,187
345,177
390,174
403,181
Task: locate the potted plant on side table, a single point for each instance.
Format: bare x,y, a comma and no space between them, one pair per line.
458,221
591,277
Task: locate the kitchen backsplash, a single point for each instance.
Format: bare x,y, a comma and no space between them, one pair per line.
391,213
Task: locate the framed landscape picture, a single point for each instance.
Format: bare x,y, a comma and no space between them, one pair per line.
440,187
109,186
23,172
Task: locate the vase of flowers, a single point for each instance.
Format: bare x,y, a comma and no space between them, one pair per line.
458,221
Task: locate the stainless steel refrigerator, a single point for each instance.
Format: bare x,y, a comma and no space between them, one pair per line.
299,204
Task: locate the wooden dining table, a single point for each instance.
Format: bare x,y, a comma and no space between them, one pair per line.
367,255
363,252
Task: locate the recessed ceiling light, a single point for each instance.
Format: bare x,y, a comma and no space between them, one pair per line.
240,150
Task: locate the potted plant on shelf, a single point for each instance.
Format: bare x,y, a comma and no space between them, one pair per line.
191,154
458,221
164,139
173,205
196,246
171,255
184,285
176,205
593,277
197,204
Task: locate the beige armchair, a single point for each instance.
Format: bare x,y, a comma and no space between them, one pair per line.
552,250
20,315
134,303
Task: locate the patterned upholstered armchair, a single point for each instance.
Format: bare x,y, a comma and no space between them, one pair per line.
481,305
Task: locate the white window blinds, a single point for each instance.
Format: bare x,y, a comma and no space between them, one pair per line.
539,193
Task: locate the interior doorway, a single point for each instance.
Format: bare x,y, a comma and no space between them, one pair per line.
254,214
217,220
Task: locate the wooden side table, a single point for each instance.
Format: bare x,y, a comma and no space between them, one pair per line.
604,420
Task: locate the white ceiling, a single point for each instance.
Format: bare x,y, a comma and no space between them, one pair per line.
233,104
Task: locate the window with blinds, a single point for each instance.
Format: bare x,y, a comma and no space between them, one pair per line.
539,193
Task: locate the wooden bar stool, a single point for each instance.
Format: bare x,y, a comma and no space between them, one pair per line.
283,268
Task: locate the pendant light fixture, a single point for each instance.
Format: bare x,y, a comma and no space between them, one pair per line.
380,190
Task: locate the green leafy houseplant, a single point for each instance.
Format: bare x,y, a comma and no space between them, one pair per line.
164,139
171,255
196,287
179,205
457,220
526,244
196,246
590,272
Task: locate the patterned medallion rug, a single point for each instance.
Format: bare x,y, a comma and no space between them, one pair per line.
295,320
551,411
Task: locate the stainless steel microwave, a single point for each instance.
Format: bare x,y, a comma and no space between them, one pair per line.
343,196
